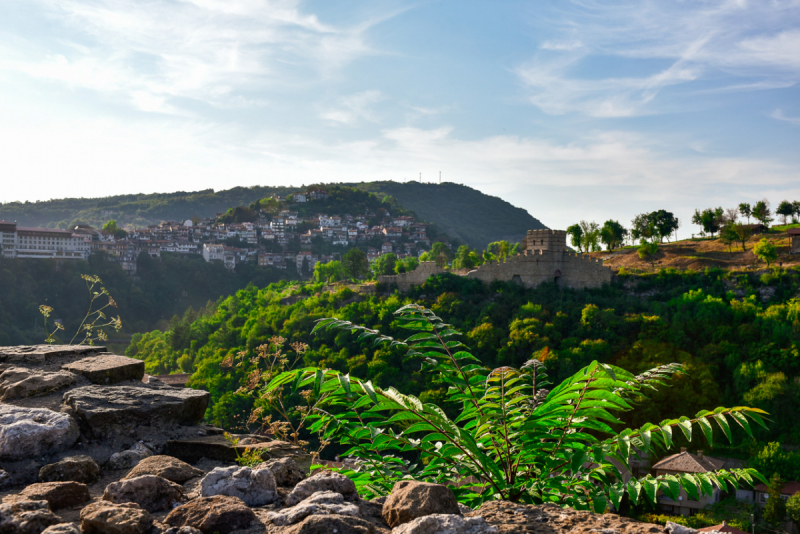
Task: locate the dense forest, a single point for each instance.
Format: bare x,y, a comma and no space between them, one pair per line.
459,211
736,334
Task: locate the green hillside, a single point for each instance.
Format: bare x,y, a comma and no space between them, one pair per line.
459,211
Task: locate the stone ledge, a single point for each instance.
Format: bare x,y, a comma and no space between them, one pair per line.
107,368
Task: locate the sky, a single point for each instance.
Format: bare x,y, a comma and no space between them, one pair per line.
570,109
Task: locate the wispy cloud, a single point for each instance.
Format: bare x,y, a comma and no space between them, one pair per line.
778,114
352,109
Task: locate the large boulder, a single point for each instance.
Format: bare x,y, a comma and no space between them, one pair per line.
57,494
33,432
256,487
285,470
328,524
166,467
103,517
410,499
220,514
26,517
151,492
323,481
321,503
109,411
62,528
445,524
73,468
129,458
20,383
107,368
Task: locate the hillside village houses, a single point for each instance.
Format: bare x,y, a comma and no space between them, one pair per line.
272,240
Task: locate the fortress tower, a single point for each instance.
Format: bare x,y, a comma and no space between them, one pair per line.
552,240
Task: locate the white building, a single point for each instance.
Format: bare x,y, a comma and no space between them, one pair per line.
26,242
213,252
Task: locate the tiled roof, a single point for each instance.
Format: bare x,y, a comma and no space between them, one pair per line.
789,488
687,462
722,528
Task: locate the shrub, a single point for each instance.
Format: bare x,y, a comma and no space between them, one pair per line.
512,438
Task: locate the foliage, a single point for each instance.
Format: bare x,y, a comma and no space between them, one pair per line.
466,258
385,264
112,228
793,508
95,319
591,236
612,234
743,233
440,253
765,251
575,233
406,264
355,263
710,219
329,272
773,459
250,457
762,212
785,210
746,211
648,251
735,512
664,223
510,430
775,508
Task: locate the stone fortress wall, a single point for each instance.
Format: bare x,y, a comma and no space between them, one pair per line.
545,258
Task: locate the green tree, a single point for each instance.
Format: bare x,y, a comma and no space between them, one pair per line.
728,235
112,228
642,227
501,249
664,223
465,258
329,272
440,253
575,233
743,233
775,508
746,211
709,219
406,264
765,251
612,234
384,264
785,210
793,509
591,236
762,212
355,263
647,251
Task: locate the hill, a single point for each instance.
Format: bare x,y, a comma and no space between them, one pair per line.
459,211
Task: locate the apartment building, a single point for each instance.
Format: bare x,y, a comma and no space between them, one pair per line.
28,242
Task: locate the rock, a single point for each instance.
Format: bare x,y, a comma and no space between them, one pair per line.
5,480
103,517
39,354
31,432
511,518
182,530
256,487
109,411
445,524
220,514
151,492
62,528
75,468
20,383
166,467
323,481
410,500
58,494
675,528
107,368
321,503
26,517
285,471
329,524
464,508
129,458
284,449
214,447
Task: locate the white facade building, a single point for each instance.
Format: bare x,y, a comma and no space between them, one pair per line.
213,252
26,242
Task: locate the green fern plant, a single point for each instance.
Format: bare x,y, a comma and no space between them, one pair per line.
513,438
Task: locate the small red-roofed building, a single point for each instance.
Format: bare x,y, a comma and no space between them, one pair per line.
724,527
682,463
762,492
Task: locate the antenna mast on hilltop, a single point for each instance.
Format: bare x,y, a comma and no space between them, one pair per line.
440,177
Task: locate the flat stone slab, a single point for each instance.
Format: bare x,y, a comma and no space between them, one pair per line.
106,411
38,354
107,368
21,382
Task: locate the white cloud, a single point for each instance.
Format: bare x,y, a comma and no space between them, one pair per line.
354,108
778,114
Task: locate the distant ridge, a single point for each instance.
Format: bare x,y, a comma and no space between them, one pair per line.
457,210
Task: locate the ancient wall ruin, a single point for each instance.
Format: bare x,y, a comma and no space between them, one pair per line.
545,258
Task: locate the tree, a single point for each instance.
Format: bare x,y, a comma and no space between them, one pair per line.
746,211
795,211
664,223
591,236
384,264
709,219
440,253
647,252
501,249
112,228
793,509
465,258
405,265
743,233
575,233
775,508
785,210
762,213
642,227
329,272
612,234
355,263
305,267
728,235
765,251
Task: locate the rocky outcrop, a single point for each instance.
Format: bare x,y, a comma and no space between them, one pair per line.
285,470
256,487
323,481
151,492
167,467
62,528
20,383
220,514
410,500
129,458
108,369
32,432
446,524
73,468
107,518
320,503
26,517
58,494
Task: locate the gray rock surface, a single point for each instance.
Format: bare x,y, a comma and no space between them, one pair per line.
62,528
31,432
321,503
151,492
445,524
183,530
410,500
75,468
6,481
107,368
103,517
20,383
129,458
256,487
166,467
58,494
26,517
218,514
285,471
675,528
328,524
323,481
39,354
108,411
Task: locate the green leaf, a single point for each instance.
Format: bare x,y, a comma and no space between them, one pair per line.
708,431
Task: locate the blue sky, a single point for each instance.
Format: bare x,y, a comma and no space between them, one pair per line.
570,109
